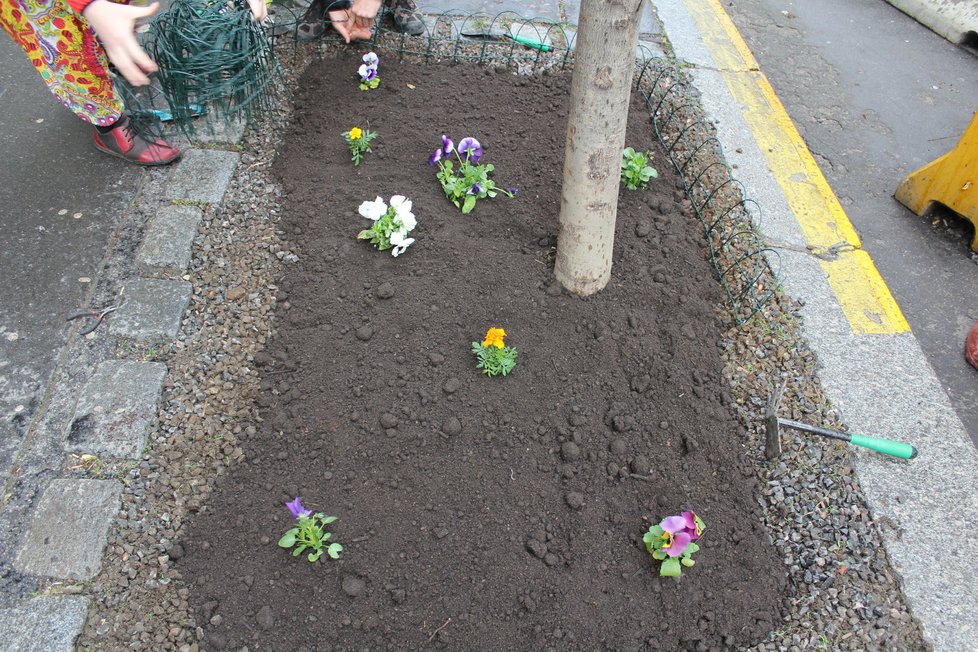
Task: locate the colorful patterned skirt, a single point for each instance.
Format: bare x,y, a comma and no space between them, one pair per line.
67,55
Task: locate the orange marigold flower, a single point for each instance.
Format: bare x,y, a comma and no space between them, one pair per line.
356,133
494,337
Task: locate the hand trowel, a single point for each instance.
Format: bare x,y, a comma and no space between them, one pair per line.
495,34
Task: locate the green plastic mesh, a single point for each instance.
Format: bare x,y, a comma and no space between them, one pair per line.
212,59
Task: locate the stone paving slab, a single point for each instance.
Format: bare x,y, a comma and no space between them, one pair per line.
202,176
540,32
649,23
432,22
169,238
48,623
207,132
539,9
68,531
563,33
152,309
116,409
220,132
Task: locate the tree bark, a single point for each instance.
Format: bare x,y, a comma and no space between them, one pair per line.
604,61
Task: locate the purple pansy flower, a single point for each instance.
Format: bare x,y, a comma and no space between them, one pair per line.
675,534
694,526
512,191
367,73
434,158
475,189
447,145
471,148
370,59
297,509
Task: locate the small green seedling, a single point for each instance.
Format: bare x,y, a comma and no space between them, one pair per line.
635,169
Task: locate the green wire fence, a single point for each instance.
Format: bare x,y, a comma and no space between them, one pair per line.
213,57
746,268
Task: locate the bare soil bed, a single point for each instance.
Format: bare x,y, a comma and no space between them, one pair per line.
477,513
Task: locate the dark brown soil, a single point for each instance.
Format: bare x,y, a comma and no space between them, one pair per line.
454,492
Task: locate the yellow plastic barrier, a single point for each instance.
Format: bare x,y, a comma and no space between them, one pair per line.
951,180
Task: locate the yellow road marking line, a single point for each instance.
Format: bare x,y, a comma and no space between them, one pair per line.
862,294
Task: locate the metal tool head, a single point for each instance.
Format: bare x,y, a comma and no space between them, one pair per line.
772,430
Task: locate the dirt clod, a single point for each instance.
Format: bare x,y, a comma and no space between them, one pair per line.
365,332
452,426
265,618
570,451
353,586
574,499
384,291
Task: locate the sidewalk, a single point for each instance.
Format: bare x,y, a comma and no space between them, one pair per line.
101,405
57,526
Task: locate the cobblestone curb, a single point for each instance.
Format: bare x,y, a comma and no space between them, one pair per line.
59,525
44,624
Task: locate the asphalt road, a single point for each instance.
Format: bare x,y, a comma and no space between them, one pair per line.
876,95
60,200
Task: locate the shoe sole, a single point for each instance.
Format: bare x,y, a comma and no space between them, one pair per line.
106,150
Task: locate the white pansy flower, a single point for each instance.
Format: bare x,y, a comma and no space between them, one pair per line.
408,222
400,242
373,210
401,204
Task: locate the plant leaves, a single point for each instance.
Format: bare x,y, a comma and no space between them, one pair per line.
330,519
288,539
334,550
671,568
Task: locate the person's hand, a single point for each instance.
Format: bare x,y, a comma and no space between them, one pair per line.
115,25
364,12
259,9
343,22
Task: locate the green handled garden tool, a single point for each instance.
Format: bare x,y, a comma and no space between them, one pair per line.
773,440
493,34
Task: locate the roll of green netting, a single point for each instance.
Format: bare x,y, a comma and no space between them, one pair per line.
212,57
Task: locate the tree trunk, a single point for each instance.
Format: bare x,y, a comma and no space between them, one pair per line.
600,87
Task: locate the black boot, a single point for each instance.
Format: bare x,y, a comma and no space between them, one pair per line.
407,18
